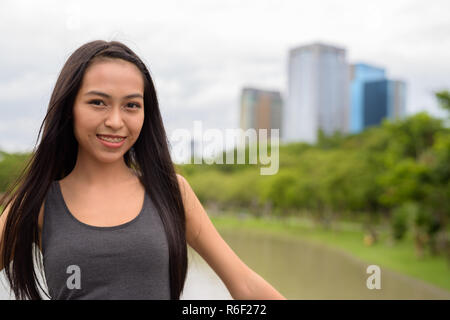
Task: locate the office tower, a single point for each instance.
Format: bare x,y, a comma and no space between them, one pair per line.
384,99
397,99
260,109
360,74
318,86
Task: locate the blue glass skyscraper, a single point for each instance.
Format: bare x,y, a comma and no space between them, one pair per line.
383,99
360,74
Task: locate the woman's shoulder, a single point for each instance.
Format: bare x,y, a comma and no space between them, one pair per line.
181,179
184,187
41,223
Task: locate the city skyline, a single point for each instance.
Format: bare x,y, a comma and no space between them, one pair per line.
371,97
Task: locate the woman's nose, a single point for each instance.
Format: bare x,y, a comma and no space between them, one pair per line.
114,118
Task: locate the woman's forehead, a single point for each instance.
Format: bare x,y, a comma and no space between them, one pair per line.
113,74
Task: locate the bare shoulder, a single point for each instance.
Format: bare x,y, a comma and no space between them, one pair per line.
181,181
190,200
41,216
3,217
194,211
185,189
4,214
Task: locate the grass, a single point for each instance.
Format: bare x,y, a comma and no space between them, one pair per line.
399,256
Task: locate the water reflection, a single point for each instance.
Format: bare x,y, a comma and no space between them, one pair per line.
308,270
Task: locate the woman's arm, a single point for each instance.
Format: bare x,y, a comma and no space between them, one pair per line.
241,281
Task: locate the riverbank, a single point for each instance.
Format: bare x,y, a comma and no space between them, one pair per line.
350,238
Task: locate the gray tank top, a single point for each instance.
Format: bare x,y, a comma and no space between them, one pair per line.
127,261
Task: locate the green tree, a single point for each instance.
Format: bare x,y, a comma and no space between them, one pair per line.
444,99
11,164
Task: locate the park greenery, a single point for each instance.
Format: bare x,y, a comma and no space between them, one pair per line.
397,173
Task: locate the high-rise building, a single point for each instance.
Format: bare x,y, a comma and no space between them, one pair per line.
384,99
360,74
374,97
260,109
318,86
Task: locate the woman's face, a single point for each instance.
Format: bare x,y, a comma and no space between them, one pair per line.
109,102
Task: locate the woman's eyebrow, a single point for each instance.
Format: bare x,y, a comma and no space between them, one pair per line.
93,92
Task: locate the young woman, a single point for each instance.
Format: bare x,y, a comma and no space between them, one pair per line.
101,199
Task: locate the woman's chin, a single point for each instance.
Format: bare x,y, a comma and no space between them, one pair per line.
110,158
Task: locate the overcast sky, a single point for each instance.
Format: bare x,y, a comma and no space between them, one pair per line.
202,52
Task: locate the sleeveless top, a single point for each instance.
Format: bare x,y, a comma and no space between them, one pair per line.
81,261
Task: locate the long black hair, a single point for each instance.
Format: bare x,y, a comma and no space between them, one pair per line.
55,157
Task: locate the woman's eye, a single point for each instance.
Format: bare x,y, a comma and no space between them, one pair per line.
94,102
132,105
136,106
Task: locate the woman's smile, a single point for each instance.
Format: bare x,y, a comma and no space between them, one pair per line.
111,142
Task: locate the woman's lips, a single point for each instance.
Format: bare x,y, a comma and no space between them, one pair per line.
111,144
110,136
